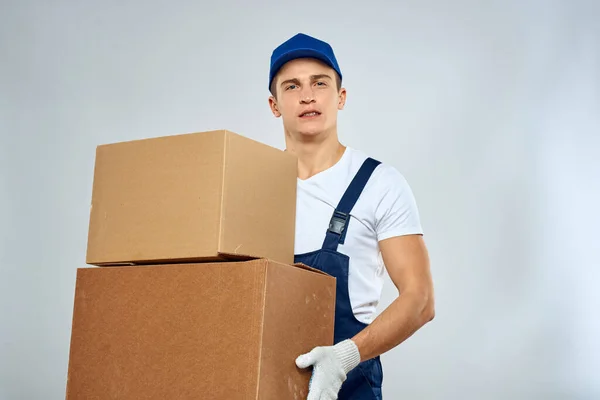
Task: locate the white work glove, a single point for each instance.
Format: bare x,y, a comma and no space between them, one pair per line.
331,365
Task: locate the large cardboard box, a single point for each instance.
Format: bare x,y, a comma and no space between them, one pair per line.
223,331
203,196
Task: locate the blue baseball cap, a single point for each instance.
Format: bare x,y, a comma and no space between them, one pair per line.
301,46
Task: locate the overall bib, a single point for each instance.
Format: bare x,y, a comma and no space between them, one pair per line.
364,381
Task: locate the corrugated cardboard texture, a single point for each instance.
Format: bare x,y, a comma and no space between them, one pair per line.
191,197
166,333
296,307
223,331
259,213
156,199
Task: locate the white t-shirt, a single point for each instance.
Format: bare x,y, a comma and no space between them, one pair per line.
386,208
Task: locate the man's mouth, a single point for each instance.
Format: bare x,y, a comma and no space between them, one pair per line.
310,114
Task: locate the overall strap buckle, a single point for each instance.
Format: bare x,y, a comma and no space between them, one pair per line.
337,223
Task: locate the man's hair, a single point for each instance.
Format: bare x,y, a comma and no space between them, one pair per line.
273,89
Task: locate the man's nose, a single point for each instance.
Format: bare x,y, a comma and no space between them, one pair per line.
307,96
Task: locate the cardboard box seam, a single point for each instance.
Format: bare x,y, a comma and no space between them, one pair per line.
265,265
237,258
222,190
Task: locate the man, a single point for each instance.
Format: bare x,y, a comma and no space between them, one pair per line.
356,217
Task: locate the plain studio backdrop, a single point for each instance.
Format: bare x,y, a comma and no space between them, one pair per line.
491,110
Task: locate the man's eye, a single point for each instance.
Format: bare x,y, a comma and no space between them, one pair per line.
321,83
290,87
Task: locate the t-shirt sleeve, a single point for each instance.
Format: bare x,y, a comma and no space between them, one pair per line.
396,213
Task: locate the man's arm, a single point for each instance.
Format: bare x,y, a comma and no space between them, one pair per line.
407,262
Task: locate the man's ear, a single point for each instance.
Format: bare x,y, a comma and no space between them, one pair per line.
274,107
341,99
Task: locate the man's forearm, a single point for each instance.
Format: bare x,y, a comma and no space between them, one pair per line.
400,320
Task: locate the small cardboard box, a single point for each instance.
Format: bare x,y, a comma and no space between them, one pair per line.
221,331
204,196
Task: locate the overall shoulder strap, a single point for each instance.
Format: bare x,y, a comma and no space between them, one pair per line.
336,232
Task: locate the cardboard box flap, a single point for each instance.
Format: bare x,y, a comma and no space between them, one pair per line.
223,257
220,257
304,266
241,257
237,256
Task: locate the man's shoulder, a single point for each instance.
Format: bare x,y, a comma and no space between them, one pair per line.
390,201
385,176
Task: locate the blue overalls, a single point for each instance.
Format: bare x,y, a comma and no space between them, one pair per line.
364,381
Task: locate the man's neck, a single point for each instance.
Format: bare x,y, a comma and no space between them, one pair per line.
315,155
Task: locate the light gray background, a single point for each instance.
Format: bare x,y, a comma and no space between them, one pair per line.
490,109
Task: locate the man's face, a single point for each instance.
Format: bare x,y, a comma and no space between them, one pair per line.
307,97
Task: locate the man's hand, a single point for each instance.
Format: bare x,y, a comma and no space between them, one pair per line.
331,365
